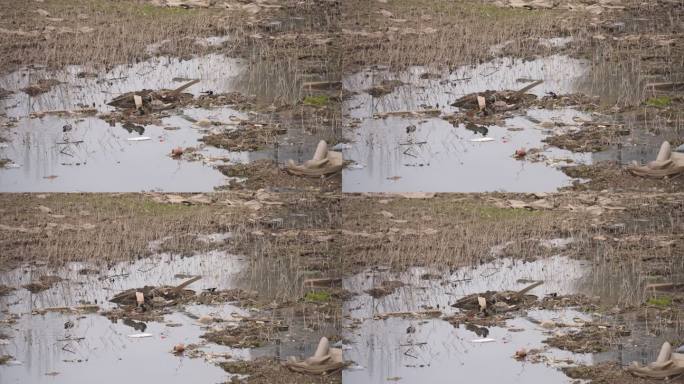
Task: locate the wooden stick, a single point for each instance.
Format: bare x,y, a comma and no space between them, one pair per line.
185,284
528,87
184,87
529,288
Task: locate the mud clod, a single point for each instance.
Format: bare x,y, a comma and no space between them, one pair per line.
385,288
246,137
41,86
245,334
43,283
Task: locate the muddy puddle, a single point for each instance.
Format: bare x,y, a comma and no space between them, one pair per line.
51,152
386,345
401,138
82,346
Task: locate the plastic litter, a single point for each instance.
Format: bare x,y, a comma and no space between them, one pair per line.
140,335
481,341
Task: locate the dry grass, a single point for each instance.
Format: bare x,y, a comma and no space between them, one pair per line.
466,228
447,33
310,235
283,243
626,49
293,243
121,31
104,228
633,246
633,48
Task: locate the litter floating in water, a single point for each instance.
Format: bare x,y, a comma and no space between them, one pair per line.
341,146
480,341
140,335
141,138
482,140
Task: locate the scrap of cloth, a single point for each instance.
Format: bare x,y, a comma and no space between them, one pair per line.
324,361
667,164
323,163
668,364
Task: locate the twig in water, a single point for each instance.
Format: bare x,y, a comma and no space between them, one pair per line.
69,142
72,339
413,344
113,276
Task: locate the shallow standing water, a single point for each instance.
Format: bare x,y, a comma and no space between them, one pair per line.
438,157
46,350
48,345
93,156
412,350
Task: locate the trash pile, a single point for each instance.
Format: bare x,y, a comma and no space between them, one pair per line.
385,87
490,308
486,108
589,137
146,100
496,101
587,338
497,302
145,106
241,297
184,3
247,136
245,333
323,163
149,298
236,99
582,203
194,199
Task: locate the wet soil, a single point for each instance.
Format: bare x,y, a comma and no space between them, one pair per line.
262,371
607,372
607,175
266,174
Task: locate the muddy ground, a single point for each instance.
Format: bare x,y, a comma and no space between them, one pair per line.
563,266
